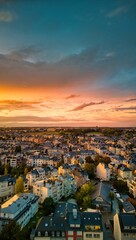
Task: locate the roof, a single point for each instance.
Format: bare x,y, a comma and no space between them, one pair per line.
102,190
67,217
16,202
127,222
128,207
94,219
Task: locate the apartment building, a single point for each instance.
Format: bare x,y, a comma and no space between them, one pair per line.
21,207
124,173
103,172
125,226
131,183
55,187
7,187
35,175
69,223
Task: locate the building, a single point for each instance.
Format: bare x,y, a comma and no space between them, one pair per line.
7,187
103,172
69,223
100,197
124,173
127,207
125,226
35,175
55,187
22,207
131,183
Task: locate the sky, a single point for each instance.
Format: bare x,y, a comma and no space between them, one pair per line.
68,63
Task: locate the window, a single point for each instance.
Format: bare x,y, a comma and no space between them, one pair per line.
58,234
96,235
88,235
46,234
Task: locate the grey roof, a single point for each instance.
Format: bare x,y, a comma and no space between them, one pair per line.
67,217
128,207
14,204
93,218
127,222
102,190
7,178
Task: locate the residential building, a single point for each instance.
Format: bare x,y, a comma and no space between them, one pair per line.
124,173
127,207
7,187
125,226
35,175
103,172
55,187
131,183
100,196
21,207
69,223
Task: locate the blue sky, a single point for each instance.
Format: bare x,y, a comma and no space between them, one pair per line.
82,48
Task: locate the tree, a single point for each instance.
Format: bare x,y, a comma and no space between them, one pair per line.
48,205
111,196
25,171
10,231
121,186
18,149
89,159
19,186
5,171
97,159
90,168
87,202
106,160
83,197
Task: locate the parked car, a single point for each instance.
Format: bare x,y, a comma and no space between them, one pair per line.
107,225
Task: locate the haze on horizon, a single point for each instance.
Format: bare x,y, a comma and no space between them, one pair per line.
68,63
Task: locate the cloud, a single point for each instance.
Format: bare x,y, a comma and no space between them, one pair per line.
130,100
18,105
125,108
72,96
6,16
84,105
78,71
28,54
117,12
56,119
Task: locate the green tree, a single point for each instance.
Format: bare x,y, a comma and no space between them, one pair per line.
19,186
87,202
111,196
25,171
121,186
18,149
90,169
5,171
83,197
10,231
48,205
79,198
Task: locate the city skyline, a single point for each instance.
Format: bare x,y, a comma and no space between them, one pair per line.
68,63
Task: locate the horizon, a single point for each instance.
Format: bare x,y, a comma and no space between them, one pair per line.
68,64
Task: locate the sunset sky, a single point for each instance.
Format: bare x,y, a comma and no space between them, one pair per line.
68,63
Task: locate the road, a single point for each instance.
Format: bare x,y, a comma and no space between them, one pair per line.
108,218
